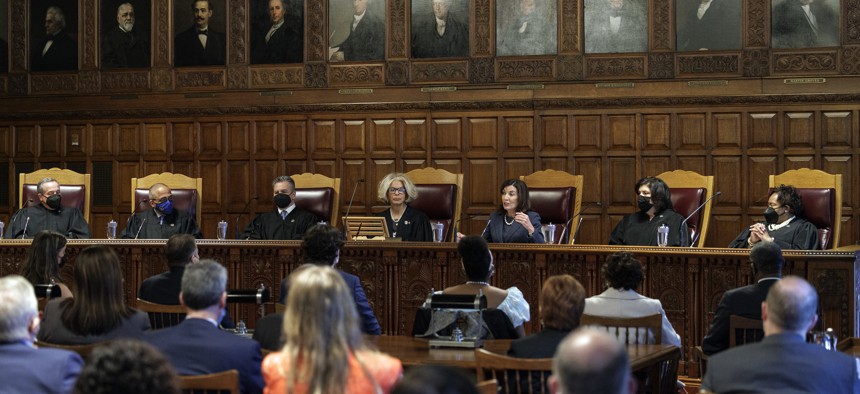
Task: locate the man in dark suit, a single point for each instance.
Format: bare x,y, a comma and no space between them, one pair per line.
282,42
366,40
440,35
123,46
163,220
23,367
591,361
709,25
805,24
616,26
196,346
164,288
200,45
56,51
784,362
287,222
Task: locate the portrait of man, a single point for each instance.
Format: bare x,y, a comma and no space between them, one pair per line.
805,23
125,43
360,33
616,26
55,46
440,28
708,24
526,27
202,44
280,38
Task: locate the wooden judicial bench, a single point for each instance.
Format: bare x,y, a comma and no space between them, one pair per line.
397,276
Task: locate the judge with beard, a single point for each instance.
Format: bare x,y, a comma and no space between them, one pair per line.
783,224
163,220
123,46
287,222
48,214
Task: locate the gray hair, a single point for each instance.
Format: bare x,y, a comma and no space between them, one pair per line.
18,306
39,188
284,178
385,183
57,15
203,283
120,7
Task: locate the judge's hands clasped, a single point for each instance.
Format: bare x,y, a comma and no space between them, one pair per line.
758,232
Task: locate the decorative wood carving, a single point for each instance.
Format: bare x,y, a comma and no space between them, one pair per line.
793,63
316,75
708,64
661,65
481,70
277,77
756,63
199,79
316,47
482,28
851,16
88,81
17,84
162,79
397,47
18,40
615,68
569,26
758,28
163,39
237,48
54,83
397,73
850,60
357,75
124,81
661,25
539,69
570,68
437,72
237,77
88,36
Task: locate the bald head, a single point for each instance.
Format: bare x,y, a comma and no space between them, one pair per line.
590,361
790,307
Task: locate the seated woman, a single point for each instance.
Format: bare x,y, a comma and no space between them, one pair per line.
324,349
783,224
478,264
97,312
42,266
655,209
404,222
514,221
623,274
562,300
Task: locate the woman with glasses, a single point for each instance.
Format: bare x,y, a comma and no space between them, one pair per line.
404,222
783,224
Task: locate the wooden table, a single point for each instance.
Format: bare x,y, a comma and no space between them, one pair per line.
849,346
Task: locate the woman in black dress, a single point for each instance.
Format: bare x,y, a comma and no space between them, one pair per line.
404,222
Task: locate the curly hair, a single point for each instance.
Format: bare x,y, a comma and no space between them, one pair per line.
562,301
660,194
787,195
623,271
321,244
127,366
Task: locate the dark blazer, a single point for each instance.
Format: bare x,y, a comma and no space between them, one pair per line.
538,345
68,221
367,41
188,51
369,324
63,54
52,329
799,234
270,225
637,229
743,301
165,287
427,43
790,28
122,49
151,227
719,28
414,226
25,369
197,347
285,45
497,230
781,363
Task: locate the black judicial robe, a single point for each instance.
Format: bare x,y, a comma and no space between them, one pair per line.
414,226
271,226
68,221
151,227
799,234
637,229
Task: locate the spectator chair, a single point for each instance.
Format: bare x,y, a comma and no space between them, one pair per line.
440,197
187,193
318,194
742,330
74,187
514,375
215,383
822,200
557,197
82,350
689,190
160,315
622,327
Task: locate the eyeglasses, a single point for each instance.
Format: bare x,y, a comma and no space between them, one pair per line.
163,199
397,190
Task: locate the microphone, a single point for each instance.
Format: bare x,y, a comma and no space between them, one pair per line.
17,213
140,228
351,199
133,214
244,211
579,223
485,228
684,223
455,225
27,223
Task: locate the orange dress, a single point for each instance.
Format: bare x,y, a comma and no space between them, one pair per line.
386,370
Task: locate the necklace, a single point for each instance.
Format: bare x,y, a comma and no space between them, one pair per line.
475,282
506,220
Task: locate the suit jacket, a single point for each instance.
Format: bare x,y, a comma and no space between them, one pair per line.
427,43
68,221
63,54
632,35
26,369
628,303
188,51
719,28
414,225
122,49
197,347
165,287
499,231
799,234
369,323
285,45
270,225
781,363
150,226
367,41
637,229
743,301
52,329
791,29
538,345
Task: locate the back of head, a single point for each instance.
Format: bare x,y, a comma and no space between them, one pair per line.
128,367
660,194
623,271
203,284
590,361
476,257
791,304
435,379
179,249
18,306
41,265
766,257
562,301
98,304
321,244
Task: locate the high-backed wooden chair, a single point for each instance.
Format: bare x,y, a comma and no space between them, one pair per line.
557,197
514,375
440,197
318,194
743,330
488,387
160,315
74,187
82,350
822,200
215,383
690,190
187,192
633,330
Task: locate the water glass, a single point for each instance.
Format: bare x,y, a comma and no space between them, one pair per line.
438,232
548,233
111,229
2,226
662,235
222,230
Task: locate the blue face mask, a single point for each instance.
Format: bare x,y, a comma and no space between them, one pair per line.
165,207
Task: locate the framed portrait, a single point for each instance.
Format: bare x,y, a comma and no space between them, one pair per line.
440,28
199,33
714,25
804,23
4,36
277,31
356,30
616,26
125,37
526,27
53,35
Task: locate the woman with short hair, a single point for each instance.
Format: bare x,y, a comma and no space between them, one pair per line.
784,224
561,302
404,222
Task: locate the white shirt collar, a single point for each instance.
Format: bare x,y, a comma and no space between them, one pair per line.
774,227
288,209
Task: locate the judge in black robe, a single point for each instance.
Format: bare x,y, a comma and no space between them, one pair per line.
413,226
272,226
152,225
783,224
68,221
798,234
655,209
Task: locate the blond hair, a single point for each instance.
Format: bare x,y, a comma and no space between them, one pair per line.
385,183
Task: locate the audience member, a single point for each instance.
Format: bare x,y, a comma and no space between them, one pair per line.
23,367
164,288
783,362
624,274
97,312
435,379
196,346
591,361
325,351
561,303
43,262
287,221
163,220
404,222
48,214
766,264
128,367
784,224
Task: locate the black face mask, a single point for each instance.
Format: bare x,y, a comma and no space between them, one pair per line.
283,200
54,201
644,203
770,215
